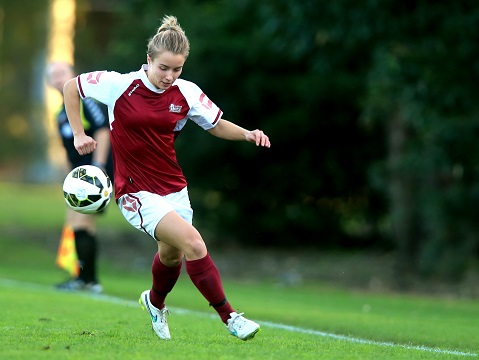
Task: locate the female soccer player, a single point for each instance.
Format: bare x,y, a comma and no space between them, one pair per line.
147,109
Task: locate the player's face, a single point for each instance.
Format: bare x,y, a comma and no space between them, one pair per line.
164,69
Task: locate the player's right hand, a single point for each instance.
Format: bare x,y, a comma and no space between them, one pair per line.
84,144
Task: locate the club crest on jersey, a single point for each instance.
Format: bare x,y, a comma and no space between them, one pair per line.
175,108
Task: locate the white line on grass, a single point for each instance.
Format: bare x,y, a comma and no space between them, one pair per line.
117,300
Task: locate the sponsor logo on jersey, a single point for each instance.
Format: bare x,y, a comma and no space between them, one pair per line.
134,88
175,108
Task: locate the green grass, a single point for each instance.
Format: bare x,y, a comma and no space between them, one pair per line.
41,207
299,322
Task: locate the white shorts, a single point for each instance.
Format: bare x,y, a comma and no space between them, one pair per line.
144,210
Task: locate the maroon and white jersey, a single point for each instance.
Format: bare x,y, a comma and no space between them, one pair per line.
144,122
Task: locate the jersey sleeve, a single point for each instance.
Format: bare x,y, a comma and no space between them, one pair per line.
202,111
99,85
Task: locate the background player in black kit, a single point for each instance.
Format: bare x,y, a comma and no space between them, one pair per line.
95,120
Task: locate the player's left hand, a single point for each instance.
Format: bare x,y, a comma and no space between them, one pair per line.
259,138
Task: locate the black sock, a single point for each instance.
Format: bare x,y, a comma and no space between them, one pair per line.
86,247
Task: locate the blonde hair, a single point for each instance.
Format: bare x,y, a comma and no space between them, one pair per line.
169,37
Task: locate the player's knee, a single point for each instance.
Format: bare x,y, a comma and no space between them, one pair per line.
196,247
171,259
169,255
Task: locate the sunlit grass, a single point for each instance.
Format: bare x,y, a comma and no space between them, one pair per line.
42,207
59,324
38,322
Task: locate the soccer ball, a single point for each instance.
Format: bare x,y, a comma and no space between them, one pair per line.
87,189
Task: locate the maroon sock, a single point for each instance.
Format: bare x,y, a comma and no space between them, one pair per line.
204,274
164,279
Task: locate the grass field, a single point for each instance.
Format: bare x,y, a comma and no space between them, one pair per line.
310,321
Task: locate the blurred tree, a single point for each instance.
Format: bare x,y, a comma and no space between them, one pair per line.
371,108
22,44
422,90
293,70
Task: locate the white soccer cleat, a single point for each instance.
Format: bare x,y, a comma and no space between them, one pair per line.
158,317
241,327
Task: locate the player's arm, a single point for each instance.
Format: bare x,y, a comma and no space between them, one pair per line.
83,144
230,131
100,156
96,115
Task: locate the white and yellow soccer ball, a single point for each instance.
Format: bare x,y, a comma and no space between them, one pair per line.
87,189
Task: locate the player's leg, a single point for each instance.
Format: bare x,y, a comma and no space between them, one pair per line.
168,219
177,233
180,237
165,271
86,245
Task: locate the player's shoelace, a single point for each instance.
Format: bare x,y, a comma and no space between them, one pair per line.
238,321
163,312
